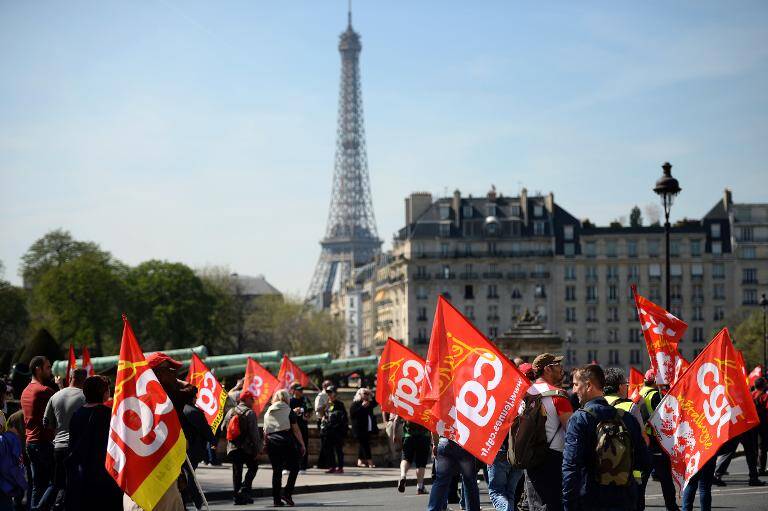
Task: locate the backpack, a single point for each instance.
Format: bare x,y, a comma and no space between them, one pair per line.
233,427
613,451
335,422
528,442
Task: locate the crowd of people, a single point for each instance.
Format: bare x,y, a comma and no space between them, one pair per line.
578,448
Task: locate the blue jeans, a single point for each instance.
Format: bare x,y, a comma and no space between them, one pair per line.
451,458
702,481
40,456
502,482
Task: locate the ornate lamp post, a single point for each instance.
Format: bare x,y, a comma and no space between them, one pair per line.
764,305
667,189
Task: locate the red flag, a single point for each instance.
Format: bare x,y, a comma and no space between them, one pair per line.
87,364
636,382
71,365
709,405
290,373
398,378
662,332
211,396
146,445
260,383
756,373
680,366
471,388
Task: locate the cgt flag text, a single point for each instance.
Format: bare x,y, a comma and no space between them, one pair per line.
260,383
708,405
211,396
291,373
472,389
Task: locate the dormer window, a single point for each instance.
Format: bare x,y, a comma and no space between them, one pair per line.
515,210
490,209
467,211
538,210
715,230
445,230
568,232
445,212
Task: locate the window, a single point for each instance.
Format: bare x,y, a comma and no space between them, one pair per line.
748,253
538,228
655,295
632,248
493,332
490,209
590,249
469,292
717,248
697,292
697,271
444,249
613,357
719,313
591,293
676,270
745,234
515,210
613,336
591,336
714,230
540,291
749,297
492,291
418,249
469,312
633,273
749,276
653,248
468,213
695,248
654,271
634,356
675,311
421,337
538,210
570,293
591,273
493,313
610,248
445,211
613,314
516,293
698,334
570,272
592,356
570,249
515,312
591,314
698,313
612,272
568,233
718,291
674,248
421,293
718,271
492,247
467,249
613,293
676,291
570,314
422,314
421,271
634,335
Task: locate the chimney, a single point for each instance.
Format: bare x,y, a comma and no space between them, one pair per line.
524,205
727,200
416,205
456,205
549,203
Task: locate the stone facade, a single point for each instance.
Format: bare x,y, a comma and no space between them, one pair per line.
494,257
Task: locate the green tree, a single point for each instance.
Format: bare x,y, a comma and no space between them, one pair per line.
81,299
635,217
229,313
42,343
14,319
170,307
52,250
748,336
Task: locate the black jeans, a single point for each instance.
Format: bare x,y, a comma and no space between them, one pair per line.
364,445
663,470
59,477
304,429
239,458
748,440
335,450
544,484
283,455
41,463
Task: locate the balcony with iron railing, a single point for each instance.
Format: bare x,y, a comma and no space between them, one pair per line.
445,276
517,275
422,276
493,317
539,274
468,276
493,275
457,254
749,280
592,299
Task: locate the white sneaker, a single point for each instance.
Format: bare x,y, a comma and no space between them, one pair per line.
286,472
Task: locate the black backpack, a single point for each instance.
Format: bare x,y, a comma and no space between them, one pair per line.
528,442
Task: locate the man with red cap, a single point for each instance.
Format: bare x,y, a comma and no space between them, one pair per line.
243,445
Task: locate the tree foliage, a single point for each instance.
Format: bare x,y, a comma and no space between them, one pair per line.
170,307
748,336
14,318
42,343
635,217
53,250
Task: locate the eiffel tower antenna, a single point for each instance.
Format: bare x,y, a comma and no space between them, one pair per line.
351,239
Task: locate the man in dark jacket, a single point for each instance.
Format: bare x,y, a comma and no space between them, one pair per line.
581,489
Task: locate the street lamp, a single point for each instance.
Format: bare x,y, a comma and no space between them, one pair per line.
667,188
764,305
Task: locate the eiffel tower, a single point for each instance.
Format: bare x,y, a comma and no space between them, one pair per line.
350,238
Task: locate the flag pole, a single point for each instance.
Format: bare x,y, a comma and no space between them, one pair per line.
197,484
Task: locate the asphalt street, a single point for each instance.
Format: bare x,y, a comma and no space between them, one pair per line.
736,495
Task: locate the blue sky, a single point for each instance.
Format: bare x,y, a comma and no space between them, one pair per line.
203,132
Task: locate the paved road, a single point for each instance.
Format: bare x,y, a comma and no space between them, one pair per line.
736,496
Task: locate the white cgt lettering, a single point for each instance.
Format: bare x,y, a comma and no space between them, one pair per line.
255,385
479,391
206,401
717,409
407,392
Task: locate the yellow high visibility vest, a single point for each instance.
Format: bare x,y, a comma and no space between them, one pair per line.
626,406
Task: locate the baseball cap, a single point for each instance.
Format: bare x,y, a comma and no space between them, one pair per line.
297,386
157,358
330,388
545,359
246,394
650,374
525,367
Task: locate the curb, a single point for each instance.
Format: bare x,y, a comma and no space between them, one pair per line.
316,488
